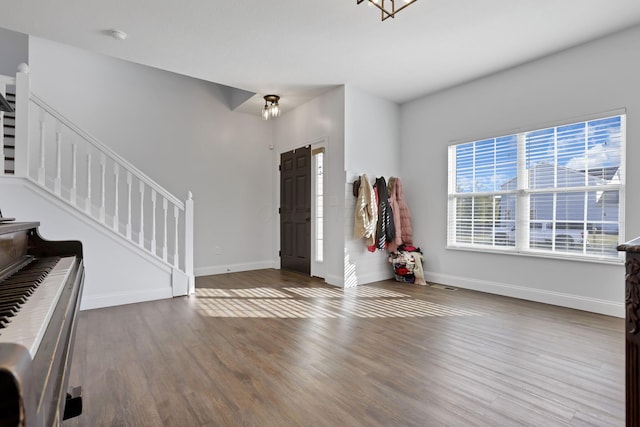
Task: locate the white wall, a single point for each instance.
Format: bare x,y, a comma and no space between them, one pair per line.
179,131
14,50
592,78
321,119
372,138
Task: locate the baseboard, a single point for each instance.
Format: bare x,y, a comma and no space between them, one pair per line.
610,308
361,279
90,302
232,268
334,280
377,276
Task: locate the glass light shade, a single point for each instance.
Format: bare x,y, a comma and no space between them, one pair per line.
275,110
265,113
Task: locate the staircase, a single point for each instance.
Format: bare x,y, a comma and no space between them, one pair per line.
8,135
76,169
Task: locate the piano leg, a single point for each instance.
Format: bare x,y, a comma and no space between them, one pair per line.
73,404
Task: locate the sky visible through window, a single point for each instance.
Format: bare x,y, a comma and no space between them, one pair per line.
491,164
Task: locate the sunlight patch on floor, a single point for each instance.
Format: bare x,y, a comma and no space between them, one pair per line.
231,307
308,302
295,309
406,307
360,291
260,293
208,292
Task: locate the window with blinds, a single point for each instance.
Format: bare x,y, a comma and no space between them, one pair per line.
556,190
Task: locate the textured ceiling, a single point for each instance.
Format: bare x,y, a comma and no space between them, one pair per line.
300,48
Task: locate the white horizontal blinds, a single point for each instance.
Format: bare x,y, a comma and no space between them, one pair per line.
563,194
485,174
564,164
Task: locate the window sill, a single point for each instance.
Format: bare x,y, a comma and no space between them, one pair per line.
540,254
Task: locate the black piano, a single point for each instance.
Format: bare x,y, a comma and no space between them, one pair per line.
40,288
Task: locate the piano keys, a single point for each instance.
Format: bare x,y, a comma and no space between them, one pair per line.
40,289
34,302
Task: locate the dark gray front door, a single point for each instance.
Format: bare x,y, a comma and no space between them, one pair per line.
295,210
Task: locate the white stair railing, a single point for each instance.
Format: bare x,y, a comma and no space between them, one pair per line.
79,169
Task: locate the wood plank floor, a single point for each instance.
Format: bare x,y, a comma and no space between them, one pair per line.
272,348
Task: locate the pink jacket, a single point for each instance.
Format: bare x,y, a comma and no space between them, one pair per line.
401,215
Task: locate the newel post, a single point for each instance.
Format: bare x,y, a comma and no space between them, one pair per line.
188,242
23,91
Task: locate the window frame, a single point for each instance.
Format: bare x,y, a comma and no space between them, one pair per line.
522,221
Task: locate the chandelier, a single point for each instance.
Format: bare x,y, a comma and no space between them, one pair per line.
388,8
271,107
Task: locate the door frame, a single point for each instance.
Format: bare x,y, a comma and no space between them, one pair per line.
317,269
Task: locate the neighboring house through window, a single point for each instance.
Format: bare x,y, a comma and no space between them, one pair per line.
557,190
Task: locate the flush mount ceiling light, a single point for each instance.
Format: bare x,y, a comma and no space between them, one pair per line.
388,8
271,107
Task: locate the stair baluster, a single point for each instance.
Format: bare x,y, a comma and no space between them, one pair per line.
154,247
103,187
176,213
165,206
116,216
42,138
141,234
128,229
58,179
88,200
73,193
